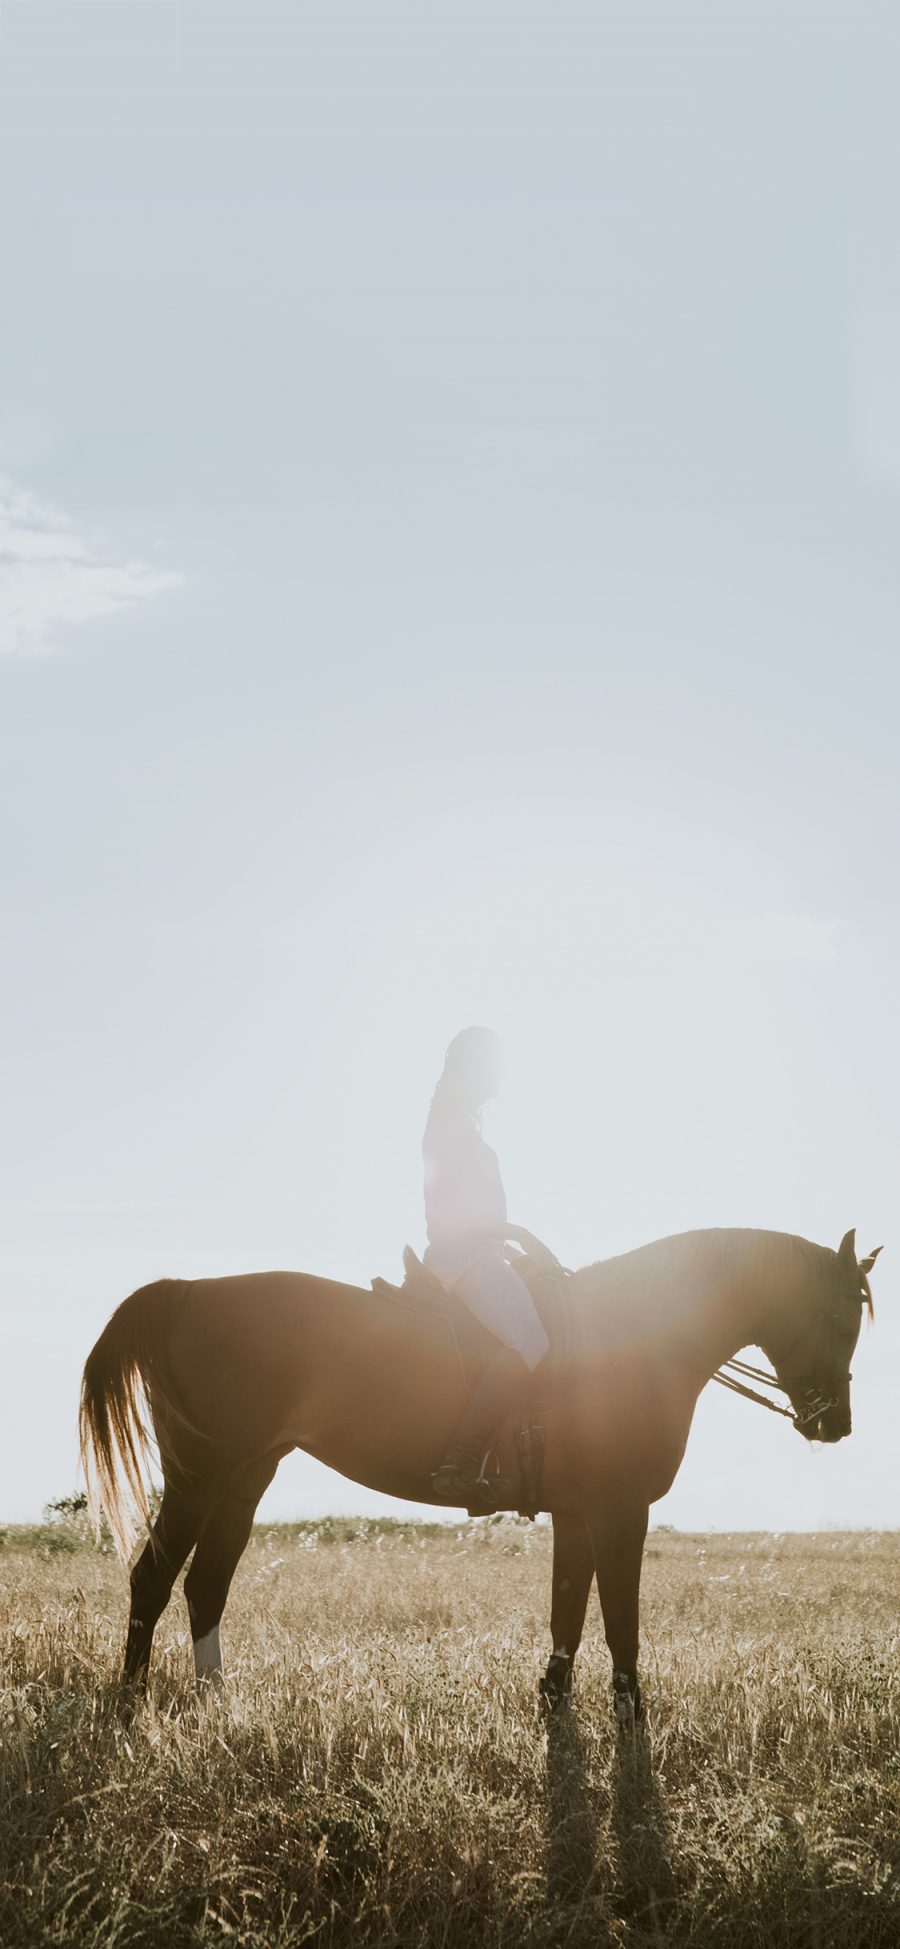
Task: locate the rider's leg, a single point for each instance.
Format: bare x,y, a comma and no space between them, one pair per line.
461,1473
493,1291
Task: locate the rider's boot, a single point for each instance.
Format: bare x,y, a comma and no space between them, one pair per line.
461,1477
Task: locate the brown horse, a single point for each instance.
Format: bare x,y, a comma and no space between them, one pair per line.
238,1371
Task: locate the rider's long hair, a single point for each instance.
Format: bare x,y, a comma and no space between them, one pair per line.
471,1071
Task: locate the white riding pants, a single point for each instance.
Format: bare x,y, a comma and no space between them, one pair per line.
496,1295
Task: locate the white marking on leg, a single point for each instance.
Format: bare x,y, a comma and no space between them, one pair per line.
208,1655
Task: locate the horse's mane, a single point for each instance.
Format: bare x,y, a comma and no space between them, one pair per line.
689,1258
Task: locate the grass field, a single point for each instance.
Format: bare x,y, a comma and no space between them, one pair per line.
378,1770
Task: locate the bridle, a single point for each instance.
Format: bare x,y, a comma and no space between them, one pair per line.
814,1402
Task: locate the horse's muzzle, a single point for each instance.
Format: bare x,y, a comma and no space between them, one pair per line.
831,1425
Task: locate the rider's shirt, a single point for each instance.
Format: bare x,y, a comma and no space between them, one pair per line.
465,1203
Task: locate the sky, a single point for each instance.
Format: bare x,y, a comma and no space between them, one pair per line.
449,572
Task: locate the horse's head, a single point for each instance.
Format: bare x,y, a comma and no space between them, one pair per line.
814,1365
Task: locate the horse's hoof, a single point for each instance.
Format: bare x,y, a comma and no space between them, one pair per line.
130,1694
556,1684
627,1703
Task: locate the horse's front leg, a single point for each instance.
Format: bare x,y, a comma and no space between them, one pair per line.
617,1532
573,1573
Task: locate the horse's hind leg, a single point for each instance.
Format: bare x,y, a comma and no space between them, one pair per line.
223,1539
573,1574
173,1535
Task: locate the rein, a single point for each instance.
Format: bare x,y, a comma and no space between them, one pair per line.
757,1374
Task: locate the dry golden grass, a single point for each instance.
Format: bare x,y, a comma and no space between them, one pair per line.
378,1770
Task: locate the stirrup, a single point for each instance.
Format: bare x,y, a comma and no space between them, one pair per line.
451,1485
467,1483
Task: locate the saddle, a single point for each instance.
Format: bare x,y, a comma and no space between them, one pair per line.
551,1382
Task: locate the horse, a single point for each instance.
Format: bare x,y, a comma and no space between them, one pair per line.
239,1370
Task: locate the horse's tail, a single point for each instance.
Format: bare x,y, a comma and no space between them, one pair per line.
128,1359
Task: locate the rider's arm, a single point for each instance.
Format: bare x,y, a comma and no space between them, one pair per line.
533,1246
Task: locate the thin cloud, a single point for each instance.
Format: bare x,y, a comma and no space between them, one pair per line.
52,578
786,937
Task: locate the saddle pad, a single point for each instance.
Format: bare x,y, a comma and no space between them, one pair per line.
474,1344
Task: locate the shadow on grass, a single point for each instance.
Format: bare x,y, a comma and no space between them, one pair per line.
640,1823
572,1825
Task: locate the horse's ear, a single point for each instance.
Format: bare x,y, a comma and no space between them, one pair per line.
847,1248
866,1264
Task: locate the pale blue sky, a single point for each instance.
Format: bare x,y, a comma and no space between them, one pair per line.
451,474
